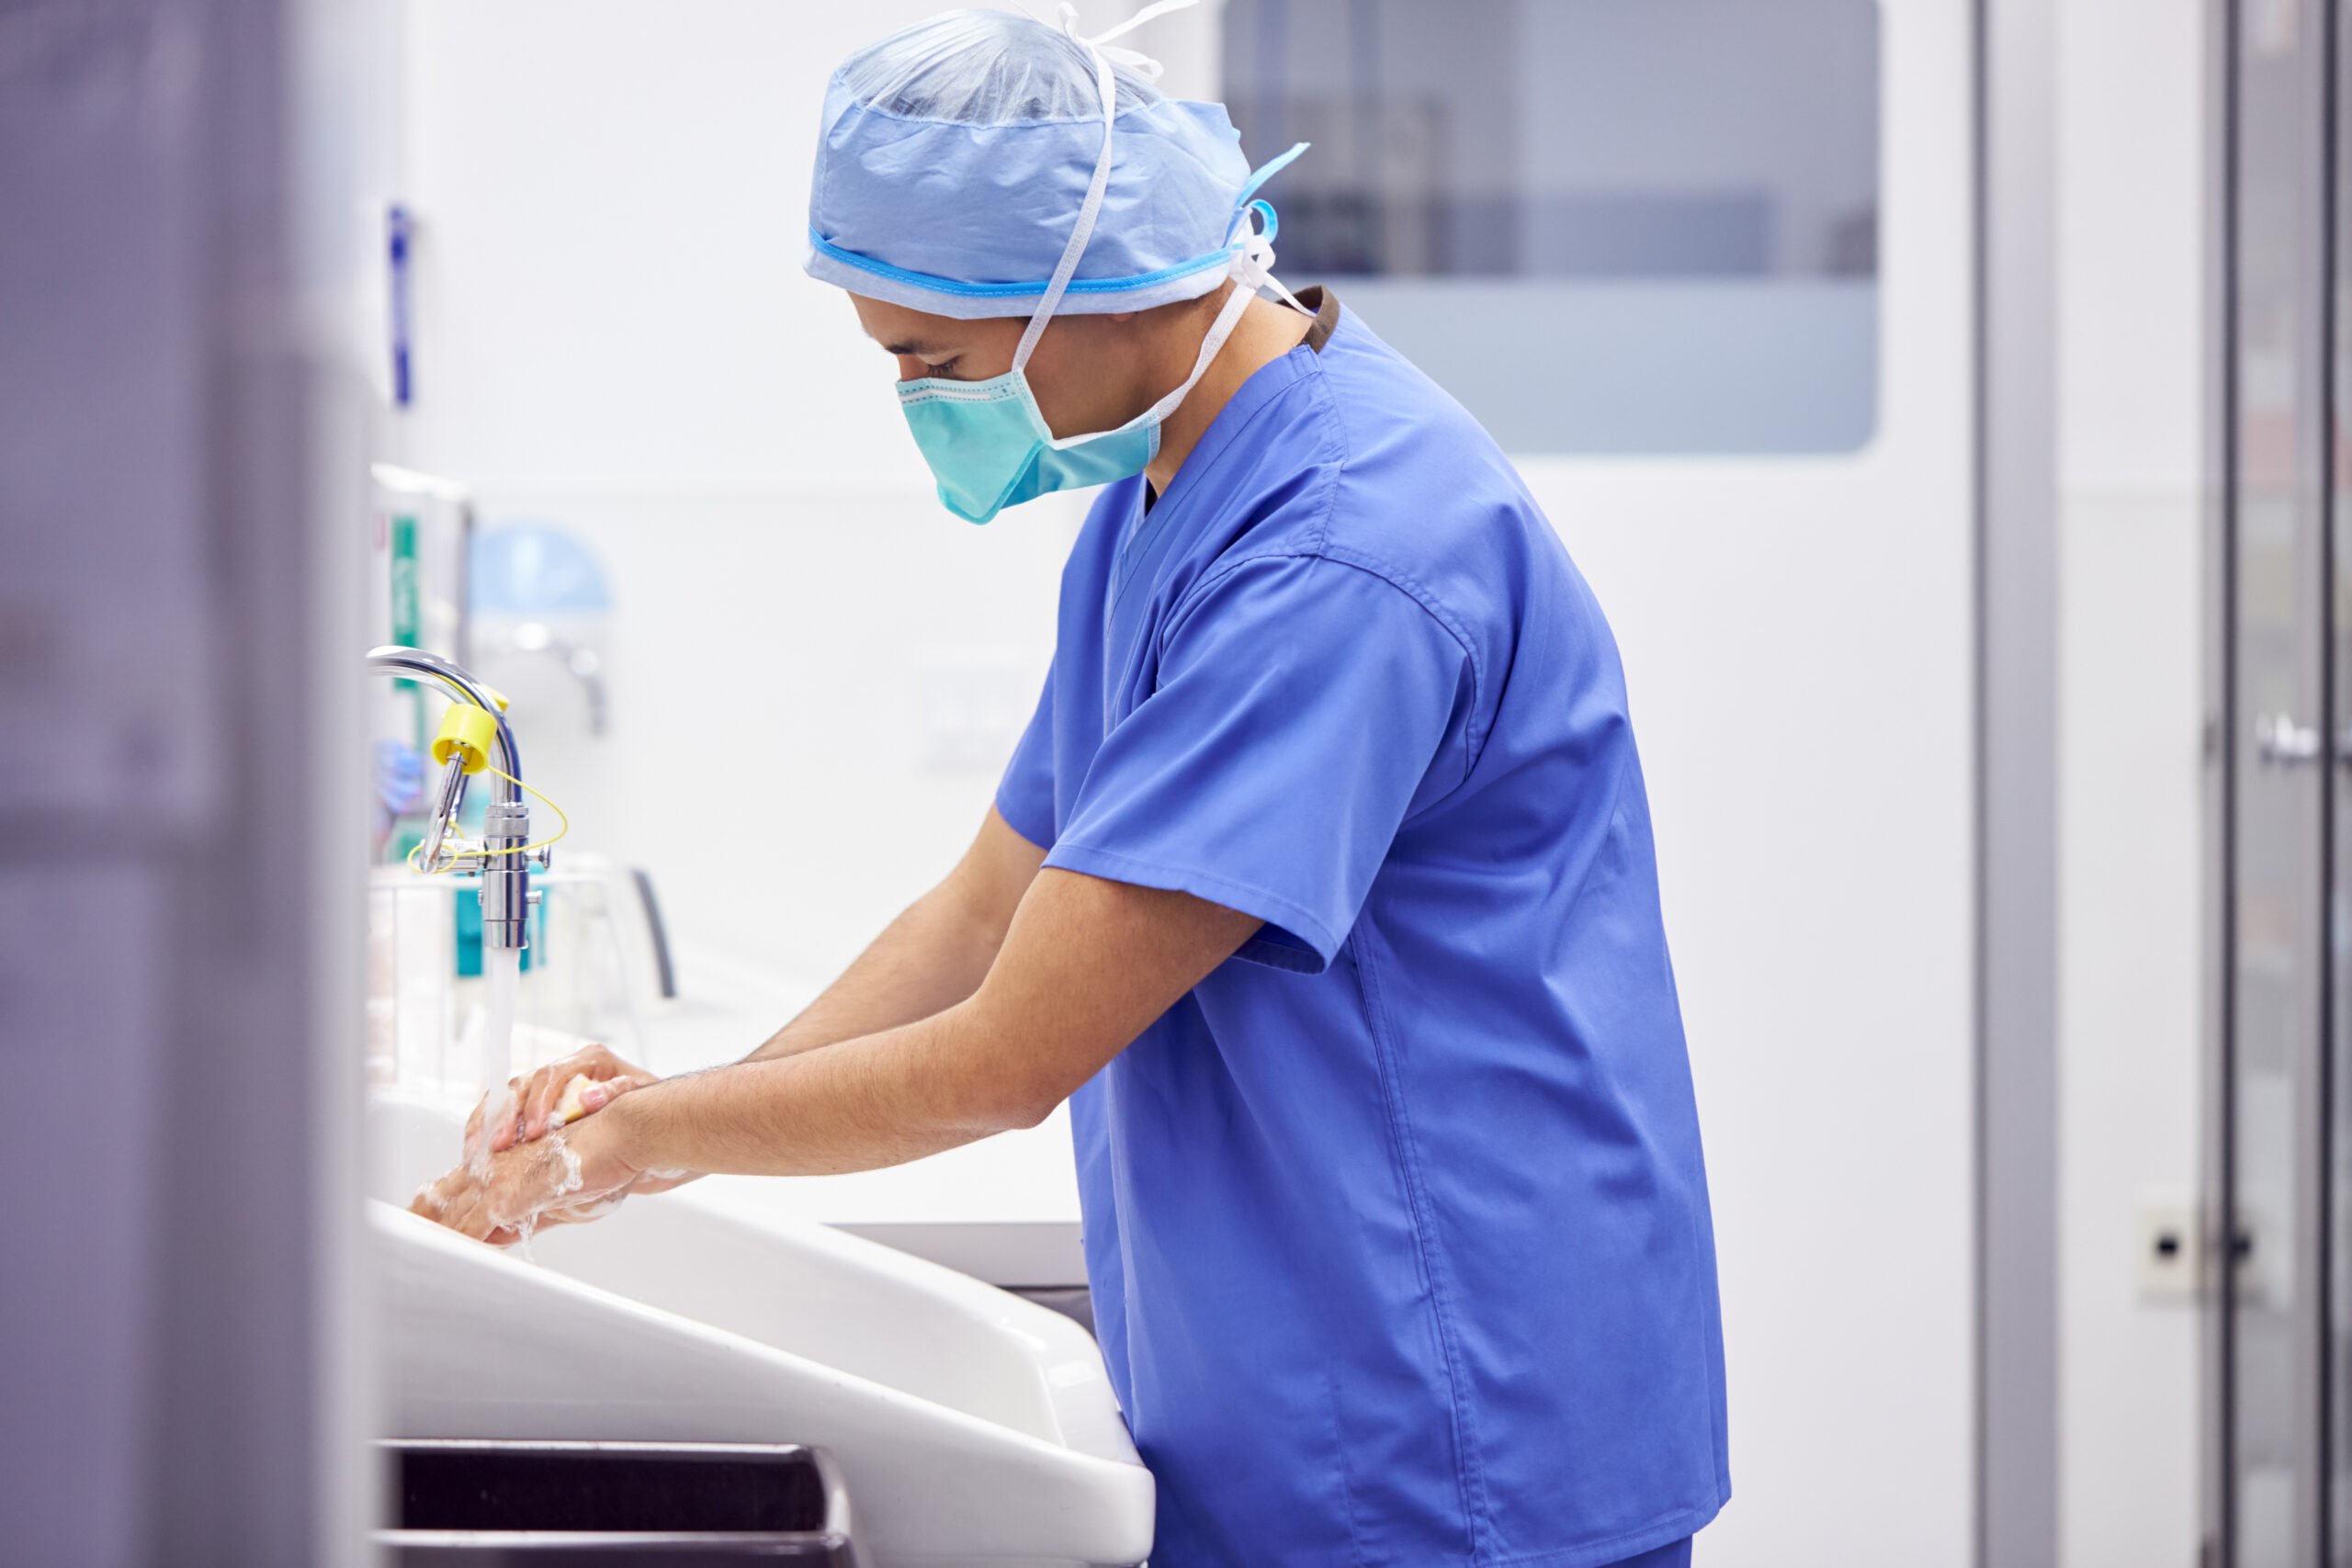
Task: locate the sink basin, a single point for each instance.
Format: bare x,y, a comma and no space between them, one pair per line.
968,1425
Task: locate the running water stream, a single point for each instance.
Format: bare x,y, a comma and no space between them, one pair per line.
502,969
501,972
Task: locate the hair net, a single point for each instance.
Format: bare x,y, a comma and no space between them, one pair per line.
956,154
985,67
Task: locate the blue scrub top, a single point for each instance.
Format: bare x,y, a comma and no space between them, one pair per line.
1396,1224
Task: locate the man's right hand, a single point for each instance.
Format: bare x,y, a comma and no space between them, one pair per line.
532,1108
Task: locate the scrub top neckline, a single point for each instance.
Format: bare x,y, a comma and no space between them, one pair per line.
1254,393
1264,384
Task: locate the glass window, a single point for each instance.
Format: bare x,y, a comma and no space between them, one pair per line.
1607,226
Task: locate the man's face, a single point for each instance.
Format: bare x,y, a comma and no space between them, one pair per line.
1088,373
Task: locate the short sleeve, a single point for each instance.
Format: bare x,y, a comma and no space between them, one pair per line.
1024,796
1303,708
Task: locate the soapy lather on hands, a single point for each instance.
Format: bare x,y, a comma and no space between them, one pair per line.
536,1173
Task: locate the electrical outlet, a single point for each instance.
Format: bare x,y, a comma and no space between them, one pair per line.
2172,1252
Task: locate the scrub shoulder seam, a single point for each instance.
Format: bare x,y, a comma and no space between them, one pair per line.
1301,370
1421,593
1335,431
1422,596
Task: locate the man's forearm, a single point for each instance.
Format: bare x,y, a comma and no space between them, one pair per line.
932,956
876,1100
1086,967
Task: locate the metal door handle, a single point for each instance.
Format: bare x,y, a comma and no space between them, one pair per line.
2281,742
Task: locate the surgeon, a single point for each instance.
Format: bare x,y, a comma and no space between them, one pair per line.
1321,885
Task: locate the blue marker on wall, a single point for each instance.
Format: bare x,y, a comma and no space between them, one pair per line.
398,229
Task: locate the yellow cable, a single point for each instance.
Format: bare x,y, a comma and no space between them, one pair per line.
563,823
563,828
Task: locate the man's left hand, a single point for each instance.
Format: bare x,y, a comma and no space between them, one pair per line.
535,1184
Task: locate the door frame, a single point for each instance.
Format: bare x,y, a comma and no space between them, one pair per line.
2017,1456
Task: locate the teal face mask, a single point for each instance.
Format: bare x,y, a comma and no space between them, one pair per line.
990,447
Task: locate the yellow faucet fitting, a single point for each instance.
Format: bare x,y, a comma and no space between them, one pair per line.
467,732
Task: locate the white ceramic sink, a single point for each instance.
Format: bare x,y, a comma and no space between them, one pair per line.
969,1426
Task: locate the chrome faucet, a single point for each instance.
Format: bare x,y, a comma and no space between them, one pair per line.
505,871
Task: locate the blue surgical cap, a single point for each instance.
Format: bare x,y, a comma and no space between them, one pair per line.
956,154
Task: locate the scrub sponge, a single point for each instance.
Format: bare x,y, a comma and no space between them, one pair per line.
572,1104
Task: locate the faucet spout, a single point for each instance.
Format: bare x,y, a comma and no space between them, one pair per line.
415,663
506,895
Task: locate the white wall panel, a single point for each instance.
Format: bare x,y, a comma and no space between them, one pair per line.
2130,768
1798,641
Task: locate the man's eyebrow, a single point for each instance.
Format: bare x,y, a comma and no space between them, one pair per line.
914,347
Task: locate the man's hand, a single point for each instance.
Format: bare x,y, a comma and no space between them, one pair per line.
531,1103
539,1182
